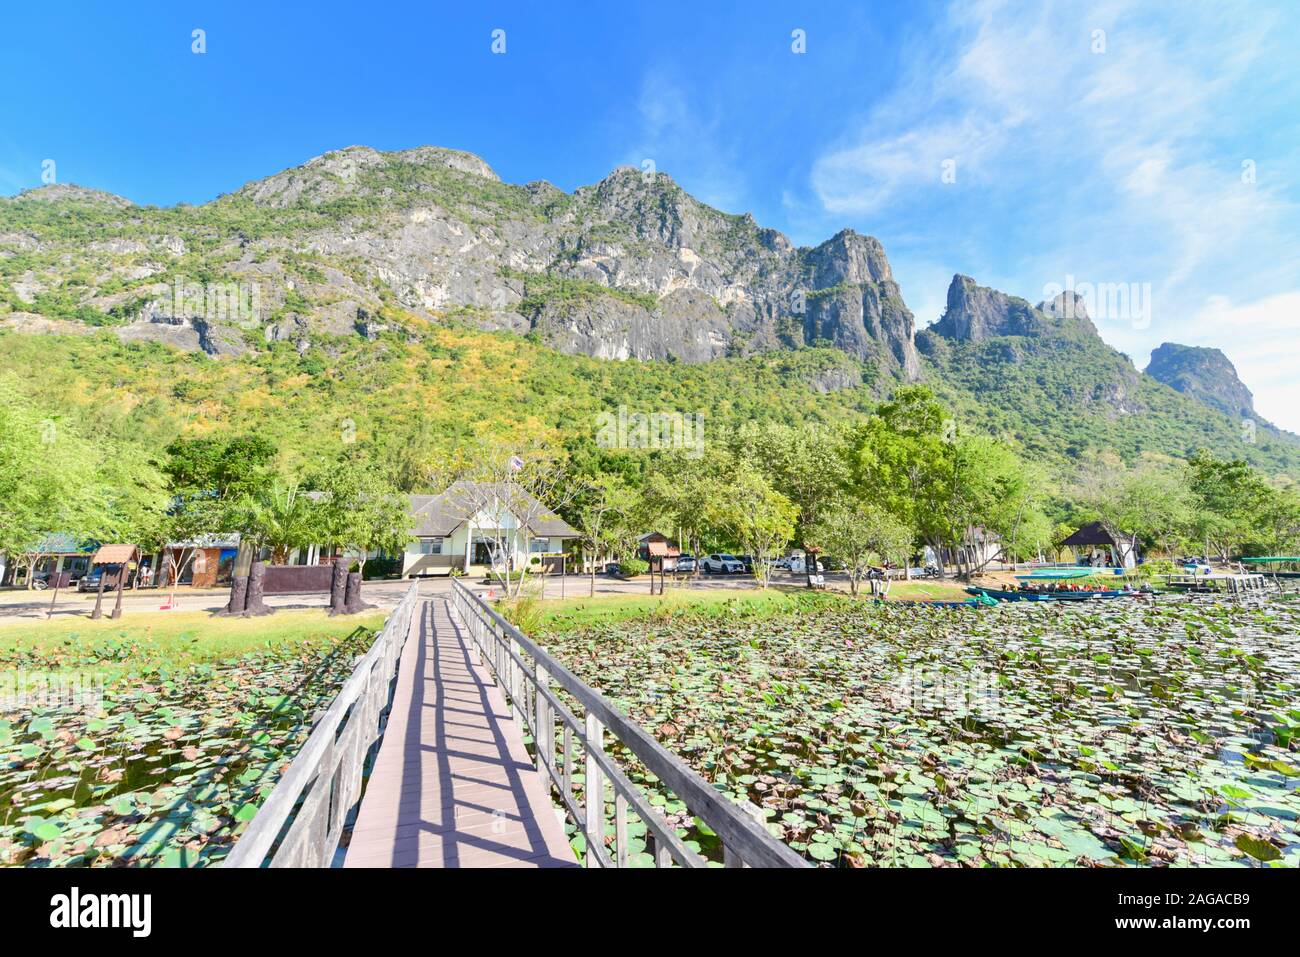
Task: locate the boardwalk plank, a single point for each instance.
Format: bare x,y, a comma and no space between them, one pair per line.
453,785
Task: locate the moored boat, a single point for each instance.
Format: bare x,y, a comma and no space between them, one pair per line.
1047,594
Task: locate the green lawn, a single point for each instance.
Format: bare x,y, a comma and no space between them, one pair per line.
574,613
928,591
169,640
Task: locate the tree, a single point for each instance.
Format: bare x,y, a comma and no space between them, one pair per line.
280,517
601,514
990,488
807,464
861,533
1229,500
1150,502
690,495
360,509
1279,523
761,519
50,483
212,481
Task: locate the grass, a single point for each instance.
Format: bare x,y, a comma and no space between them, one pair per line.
111,648
928,591
576,613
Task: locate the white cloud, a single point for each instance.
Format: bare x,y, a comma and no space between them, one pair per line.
1114,167
1259,338
683,136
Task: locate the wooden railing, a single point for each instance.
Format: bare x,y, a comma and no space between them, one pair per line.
303,818
529,678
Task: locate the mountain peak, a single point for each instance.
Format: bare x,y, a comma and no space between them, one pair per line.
849,257
1203,373
976,312
359,169
72,193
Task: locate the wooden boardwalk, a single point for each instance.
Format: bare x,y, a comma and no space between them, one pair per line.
452,784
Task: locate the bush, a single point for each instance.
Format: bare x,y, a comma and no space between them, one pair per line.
382,568
1155,568
524,612
631,567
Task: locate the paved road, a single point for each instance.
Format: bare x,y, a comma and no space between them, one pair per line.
18,604
72,604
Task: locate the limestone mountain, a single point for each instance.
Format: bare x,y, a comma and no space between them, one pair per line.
1204,374
1043,375
395,284
632,267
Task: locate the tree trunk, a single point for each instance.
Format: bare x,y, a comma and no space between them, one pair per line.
253,604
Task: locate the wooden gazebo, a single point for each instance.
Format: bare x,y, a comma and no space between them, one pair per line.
658,549
1094,535
122,556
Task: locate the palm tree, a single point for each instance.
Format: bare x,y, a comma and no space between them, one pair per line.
282,518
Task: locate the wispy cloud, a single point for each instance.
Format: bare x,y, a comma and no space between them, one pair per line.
1116,144
682,133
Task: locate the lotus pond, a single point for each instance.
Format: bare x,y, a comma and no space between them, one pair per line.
1124,734
134,749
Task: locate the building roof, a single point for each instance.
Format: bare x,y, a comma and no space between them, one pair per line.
1091,534
439,515
210,540
62,543
116,555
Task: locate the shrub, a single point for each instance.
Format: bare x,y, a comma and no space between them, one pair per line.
631,567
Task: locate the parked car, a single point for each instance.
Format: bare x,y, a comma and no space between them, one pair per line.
721,564
613,568
686,563
782,562
798,566
747,561
90,580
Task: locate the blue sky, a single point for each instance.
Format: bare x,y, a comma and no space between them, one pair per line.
1150,149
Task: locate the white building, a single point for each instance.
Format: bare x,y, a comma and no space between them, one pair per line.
469,528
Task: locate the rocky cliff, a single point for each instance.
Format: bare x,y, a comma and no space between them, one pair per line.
976,312
352,241
1204,374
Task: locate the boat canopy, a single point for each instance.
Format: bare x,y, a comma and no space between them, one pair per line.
1056,574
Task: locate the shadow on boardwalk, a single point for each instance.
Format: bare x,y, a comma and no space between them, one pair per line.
452,784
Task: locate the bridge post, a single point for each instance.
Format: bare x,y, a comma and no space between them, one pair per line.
594,789
518,705
732,858
544,726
